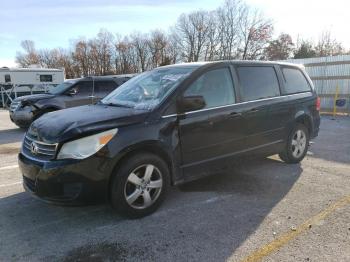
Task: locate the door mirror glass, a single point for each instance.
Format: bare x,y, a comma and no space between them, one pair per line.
72,91
191,103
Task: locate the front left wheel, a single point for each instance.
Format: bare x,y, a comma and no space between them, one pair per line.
139,185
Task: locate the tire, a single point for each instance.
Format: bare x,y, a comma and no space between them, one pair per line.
297,145
139,185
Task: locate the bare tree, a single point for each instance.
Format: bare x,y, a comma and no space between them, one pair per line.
81,56
125,57
140,43
255,32
173,49
192,30
228,20
30,55
157,45
212,43
327,45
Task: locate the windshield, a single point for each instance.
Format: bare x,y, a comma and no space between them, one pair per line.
62,87
148,89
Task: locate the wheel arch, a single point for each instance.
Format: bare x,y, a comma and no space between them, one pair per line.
152,147
304,118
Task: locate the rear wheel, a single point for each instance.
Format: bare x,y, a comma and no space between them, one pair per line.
139,185
297,145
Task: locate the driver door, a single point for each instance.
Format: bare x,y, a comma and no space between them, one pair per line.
82,94
210,135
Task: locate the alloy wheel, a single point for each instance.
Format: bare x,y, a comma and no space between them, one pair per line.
298,143
143,186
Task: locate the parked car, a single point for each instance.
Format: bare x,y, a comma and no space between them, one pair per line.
166,127
75,92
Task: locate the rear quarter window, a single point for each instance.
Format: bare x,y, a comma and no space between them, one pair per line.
258,82
294,81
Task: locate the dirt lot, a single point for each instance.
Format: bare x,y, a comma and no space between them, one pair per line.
260,210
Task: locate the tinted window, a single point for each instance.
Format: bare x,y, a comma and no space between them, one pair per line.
45,78
105,86
215,86
122,80
258,82
83,88
295,81
61,88
7,78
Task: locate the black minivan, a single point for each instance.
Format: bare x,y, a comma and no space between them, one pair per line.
168,126
73,92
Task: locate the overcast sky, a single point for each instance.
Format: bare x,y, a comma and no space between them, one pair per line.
54,23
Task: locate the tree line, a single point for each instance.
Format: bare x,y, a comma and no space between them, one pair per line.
233,31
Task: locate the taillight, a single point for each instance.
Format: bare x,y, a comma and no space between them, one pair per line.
318,104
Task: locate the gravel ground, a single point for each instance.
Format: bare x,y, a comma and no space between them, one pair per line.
256,206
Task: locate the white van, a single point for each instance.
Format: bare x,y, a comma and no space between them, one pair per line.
20,81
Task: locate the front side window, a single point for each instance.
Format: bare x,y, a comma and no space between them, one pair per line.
258,82
148,89
61,88
83,88
295,81
215,86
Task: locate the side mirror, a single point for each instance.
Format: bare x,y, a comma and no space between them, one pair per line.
190,103
72,92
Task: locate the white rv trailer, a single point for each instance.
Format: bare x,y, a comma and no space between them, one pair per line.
14,81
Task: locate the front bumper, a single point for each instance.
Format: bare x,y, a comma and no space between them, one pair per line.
67,182
22,116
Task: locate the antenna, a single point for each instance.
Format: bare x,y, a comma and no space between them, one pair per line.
93,90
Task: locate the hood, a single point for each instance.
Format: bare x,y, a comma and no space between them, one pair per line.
31,99
63,125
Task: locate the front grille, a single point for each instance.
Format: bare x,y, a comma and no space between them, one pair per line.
14,106
38,149
30,184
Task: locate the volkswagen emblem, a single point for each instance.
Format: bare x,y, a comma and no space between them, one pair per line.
34,148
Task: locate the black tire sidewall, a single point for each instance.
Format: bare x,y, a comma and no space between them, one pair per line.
121,174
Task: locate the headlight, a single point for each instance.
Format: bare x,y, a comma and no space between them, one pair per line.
86,146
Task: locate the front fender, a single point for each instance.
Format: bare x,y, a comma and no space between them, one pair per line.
42,105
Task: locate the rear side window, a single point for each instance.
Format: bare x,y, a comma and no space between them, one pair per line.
215,86
105,86
295,81
258,82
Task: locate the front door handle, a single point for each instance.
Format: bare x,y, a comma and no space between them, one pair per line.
235,114
253,110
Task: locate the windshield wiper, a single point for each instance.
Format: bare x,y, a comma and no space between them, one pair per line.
116,105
